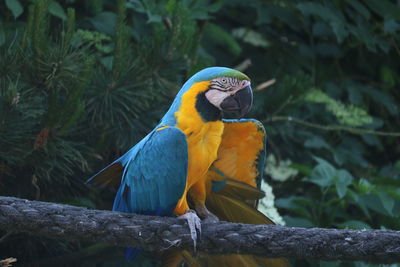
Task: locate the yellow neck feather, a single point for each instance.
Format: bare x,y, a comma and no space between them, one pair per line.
203,139
188,118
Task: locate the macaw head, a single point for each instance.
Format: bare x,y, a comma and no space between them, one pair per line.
213,92
230,92
224,89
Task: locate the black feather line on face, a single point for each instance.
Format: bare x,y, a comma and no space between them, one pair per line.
229,85
219,83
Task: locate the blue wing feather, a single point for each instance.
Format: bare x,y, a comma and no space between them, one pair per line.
155,173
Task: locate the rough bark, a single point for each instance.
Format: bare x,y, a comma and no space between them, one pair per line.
166,233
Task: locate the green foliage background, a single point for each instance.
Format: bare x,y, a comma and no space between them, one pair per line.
83,81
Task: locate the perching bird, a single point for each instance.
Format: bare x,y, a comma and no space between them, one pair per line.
195,155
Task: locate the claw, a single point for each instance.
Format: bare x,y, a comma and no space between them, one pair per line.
194,225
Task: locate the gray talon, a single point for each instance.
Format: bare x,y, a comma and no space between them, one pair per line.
194,225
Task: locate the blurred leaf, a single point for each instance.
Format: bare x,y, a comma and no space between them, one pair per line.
354,224
297,205
328,50
375,203
321,29
293,202
15,7
387,202
359,7
364,32
2,34
200,10
57,10
216,6
104,22
384,8
391,26
397,165
302,168
355,95
364,186
359,202
334,17
297,222
250,36
388,76
136,5
323,174
316,142
151,8
350,151
349,115
99,40
218,35
266,13
344,179
382,98
153,18
371,140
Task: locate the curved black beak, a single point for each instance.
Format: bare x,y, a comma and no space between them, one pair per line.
238,103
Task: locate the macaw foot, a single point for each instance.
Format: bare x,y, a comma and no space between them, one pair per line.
194,225
205,214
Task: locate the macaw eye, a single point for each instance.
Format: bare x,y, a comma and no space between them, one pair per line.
224,80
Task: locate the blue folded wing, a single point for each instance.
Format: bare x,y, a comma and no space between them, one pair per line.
154,175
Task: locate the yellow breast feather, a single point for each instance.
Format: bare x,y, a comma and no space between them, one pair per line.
203,138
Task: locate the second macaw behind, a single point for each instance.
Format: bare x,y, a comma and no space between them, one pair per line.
192,152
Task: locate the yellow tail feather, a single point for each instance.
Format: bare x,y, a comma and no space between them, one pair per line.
242,191
235,210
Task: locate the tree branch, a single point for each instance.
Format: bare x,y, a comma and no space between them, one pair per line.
167,233
352,130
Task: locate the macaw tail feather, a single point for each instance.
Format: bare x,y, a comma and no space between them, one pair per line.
243,261
231,260
238,190
237,202
231,209
177,258
109,177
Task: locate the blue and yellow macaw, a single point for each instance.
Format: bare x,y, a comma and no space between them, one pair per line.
195,156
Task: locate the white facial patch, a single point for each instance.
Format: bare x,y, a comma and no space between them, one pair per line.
222,87
216,97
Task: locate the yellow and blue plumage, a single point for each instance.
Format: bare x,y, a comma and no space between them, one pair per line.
193,154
